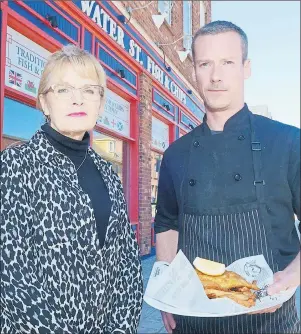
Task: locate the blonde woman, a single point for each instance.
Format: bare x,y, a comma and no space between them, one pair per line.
69,258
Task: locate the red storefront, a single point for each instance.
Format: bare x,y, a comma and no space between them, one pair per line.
147,105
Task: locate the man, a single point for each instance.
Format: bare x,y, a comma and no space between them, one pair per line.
229,189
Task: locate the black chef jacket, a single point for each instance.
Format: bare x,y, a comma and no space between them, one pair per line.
228,178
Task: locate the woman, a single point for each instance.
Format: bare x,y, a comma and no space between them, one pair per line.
69,258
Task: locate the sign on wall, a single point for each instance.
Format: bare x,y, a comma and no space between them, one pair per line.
160,134
113,29
25,62
116,115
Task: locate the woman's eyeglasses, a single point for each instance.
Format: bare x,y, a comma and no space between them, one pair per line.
66,92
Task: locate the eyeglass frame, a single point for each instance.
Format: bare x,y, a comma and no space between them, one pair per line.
51,89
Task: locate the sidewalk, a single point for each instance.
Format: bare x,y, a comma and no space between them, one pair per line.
151,321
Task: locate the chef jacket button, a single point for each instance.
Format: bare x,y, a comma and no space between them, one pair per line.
241,137
196,144
237,177
192,182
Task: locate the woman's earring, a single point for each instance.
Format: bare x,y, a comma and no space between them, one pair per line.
47,118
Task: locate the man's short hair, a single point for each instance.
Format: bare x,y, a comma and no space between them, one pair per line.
218,27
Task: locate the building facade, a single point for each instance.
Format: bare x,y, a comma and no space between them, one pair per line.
151,99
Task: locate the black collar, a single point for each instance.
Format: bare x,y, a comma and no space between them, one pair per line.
66,145
238,121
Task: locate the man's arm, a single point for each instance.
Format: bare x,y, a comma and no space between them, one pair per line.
166,227
166,220
290,276
294,175
166,245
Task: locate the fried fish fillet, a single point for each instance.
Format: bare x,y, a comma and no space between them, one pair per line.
229,285
246,298
228,281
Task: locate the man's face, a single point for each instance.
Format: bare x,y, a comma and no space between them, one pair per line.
220,70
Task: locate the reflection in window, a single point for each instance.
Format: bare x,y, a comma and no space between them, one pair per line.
112,146
110,149
156,163
20,122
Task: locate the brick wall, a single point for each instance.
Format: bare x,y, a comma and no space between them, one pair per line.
169,33
145,130
207,5
166,34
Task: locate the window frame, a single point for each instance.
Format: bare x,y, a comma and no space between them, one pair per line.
165,7
202,14
187,25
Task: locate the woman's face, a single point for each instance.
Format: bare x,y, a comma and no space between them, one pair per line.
73,104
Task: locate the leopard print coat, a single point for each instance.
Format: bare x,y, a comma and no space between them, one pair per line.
55,278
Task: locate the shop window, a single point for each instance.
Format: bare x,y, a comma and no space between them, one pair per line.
156,159
25,62
116,114
115,118
20,122
187,24
111,149
160,135
160,142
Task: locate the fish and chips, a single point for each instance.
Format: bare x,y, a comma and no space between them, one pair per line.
225,285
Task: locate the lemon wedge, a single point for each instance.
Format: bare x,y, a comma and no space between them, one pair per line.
208,267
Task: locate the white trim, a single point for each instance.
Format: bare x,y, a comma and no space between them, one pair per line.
202,14
187,17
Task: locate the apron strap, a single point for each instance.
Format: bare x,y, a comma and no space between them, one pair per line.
256,148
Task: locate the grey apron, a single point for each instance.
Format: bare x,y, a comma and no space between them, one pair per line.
226,234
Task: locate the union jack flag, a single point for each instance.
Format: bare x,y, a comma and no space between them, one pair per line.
15,78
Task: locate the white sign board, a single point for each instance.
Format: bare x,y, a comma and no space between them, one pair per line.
116,115
160,134
25,62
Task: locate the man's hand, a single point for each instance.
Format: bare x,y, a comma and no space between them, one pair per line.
284,280
169,321
166,250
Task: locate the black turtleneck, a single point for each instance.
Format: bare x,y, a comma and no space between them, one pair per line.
89,177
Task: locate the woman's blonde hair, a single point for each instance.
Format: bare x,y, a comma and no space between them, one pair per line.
84,63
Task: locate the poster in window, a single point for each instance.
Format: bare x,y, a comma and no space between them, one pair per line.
160,134
25,62
116,114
